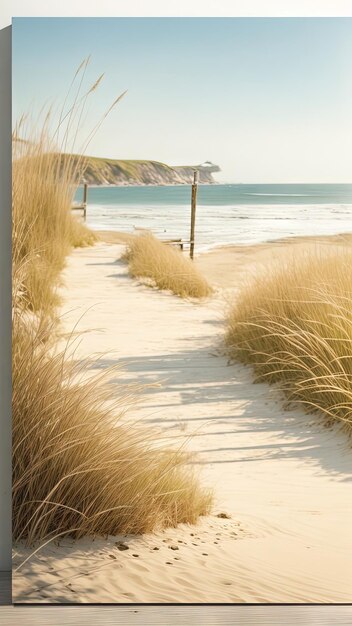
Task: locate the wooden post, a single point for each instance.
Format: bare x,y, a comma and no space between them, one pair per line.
85,195
193,212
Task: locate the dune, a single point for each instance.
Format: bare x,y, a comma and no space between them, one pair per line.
280,527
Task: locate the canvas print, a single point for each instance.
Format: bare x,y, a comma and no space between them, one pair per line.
182,310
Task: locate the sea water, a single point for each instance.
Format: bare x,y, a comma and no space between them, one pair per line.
226,214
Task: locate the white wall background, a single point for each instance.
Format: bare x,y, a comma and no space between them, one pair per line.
226,8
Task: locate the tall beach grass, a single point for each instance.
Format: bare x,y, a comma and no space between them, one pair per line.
293,324
44,230
165,266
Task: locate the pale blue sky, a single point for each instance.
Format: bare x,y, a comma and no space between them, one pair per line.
268,99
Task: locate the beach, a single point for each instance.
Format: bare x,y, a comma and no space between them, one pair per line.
279,530
227,214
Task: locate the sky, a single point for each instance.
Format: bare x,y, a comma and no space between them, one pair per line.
269,100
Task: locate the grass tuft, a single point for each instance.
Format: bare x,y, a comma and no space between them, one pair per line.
294,326
165,266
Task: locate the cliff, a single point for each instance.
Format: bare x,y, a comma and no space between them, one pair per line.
99,171
127,172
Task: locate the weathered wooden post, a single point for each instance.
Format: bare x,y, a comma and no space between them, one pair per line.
193,212
85,195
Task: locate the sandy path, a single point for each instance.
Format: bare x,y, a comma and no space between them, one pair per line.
284,479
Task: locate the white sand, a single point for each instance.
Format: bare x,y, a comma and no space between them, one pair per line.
284,478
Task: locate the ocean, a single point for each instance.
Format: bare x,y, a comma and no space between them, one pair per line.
226,213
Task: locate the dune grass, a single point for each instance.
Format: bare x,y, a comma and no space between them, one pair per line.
293,324
78,468
44,230
165,266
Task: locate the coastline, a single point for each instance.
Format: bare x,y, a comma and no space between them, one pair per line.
116,236
105,185
223,264
281,479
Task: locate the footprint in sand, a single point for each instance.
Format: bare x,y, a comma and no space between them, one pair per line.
223,515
